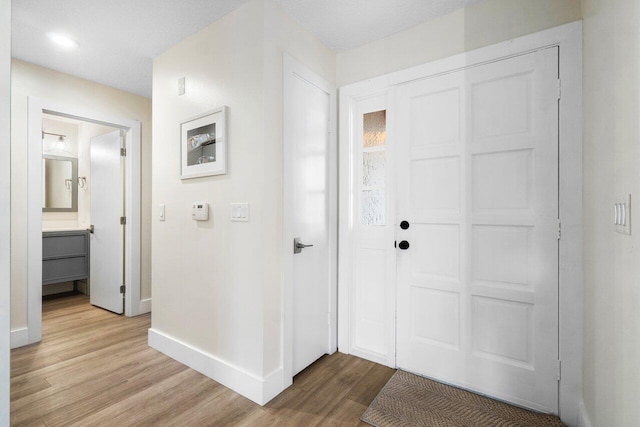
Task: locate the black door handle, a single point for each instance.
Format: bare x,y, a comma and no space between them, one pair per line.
404,245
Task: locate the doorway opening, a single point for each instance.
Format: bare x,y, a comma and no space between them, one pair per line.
69,195
102,156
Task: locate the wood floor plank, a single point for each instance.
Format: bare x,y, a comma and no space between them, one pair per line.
368,386
45,402
26,386
79,410
95,368
186,384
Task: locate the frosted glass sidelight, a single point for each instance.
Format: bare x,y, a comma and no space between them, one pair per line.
375,129
373,207
373,171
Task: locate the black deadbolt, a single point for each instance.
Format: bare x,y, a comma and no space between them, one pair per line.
404,225
404,245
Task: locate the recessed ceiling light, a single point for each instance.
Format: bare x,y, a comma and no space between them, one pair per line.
63,41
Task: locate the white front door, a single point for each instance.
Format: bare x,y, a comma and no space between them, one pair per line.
477,302
307,112
107,207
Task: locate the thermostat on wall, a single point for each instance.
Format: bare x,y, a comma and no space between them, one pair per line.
200,211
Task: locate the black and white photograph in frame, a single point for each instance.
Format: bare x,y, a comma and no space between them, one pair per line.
203,141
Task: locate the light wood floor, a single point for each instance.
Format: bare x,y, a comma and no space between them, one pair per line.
95,368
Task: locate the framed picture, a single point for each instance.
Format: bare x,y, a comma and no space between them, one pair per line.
203,144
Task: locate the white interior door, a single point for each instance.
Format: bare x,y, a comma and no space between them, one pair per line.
478,184
107,206
307,152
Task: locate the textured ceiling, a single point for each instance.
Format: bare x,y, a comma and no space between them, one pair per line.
119,38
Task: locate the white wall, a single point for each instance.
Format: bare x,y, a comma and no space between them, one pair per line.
611,168
217,284
5,199
481,24
31,80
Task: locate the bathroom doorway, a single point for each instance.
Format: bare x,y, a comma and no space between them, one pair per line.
107,160
83,188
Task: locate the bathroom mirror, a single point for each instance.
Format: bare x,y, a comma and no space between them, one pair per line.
60,180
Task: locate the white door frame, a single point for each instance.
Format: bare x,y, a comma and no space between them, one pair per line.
569,40
5,208
291,66
37,107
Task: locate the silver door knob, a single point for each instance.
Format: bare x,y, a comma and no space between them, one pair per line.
298,246
91,229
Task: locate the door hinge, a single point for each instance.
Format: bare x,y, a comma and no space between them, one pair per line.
559,89
123,220
123,152
123,289
559,372
559,229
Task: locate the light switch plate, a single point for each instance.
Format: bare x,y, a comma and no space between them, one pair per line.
240,212
622,214
161,212
181,86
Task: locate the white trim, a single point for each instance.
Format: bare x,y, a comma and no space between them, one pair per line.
145,306
5,209
259,390
37,107
19,337
570,196
133,144
583,416
569,39
273,385
291,65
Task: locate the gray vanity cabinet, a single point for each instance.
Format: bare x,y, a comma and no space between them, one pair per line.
65,256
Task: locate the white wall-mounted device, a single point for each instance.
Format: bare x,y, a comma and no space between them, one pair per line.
622,214
200,211
240,212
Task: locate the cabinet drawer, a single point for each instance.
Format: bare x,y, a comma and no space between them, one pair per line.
58,246
64,269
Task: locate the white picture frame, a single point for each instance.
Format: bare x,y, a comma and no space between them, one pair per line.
203,144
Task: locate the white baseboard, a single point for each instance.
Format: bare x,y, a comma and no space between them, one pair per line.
273,385
19,337
583,416
145,306
259,390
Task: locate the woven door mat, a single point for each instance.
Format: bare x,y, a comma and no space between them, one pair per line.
410,400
